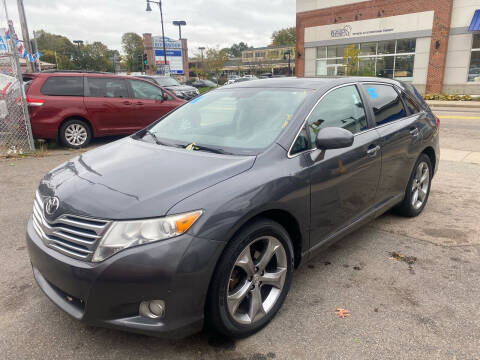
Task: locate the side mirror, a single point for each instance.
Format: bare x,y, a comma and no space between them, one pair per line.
333,138
164,96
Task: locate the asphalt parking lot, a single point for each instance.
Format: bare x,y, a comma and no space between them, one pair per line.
412,286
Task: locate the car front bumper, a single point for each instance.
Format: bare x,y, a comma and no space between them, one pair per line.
109,293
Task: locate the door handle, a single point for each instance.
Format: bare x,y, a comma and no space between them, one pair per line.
139,103
126,102
414,131
373,151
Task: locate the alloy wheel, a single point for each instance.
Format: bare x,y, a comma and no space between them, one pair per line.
420,185
257,280
76,134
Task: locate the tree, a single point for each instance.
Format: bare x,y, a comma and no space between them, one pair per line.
132,45
351,59
284,37
215,60
57,49
236,49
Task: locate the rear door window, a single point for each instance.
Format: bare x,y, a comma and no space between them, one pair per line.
63,86
107,87
145,90
386,103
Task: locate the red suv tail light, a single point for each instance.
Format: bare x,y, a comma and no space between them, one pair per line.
34,102
437,122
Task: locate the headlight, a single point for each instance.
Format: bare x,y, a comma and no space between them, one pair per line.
124,234
178,93
197,91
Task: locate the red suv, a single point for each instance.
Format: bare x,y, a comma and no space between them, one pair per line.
73,107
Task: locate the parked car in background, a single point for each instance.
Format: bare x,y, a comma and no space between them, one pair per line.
251,77
74,107
203,84
185,92
204,215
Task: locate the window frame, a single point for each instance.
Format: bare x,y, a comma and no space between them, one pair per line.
368,114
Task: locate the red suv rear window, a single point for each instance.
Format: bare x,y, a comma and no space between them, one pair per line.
63,86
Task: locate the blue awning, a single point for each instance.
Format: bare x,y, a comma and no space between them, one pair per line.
475,24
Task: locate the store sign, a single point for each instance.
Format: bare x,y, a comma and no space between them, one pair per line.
421,21
173,53
343,32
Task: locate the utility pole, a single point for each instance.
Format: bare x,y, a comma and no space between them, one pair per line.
36,51
26,37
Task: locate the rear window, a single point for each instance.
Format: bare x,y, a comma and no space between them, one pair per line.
412,107
63,86
387,105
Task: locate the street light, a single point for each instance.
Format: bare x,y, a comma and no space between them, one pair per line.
78,42
288,52
159,3
201,51
180,23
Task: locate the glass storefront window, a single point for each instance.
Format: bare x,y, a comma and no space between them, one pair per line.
393,58
321,69
404,66
368,48
474,70
366,66
386,47
406,46
322,52
385,66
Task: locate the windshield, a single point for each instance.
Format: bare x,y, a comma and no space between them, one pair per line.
166,81
239,121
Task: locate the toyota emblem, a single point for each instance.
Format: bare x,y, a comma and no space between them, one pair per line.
51,205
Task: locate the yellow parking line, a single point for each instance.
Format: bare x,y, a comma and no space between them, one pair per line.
459,117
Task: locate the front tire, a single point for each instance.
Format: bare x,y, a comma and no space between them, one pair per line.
251,280
75,133
418,188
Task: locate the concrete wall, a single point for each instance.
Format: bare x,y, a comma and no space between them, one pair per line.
420,67
462,12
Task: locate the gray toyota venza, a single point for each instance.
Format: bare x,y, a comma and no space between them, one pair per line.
202,217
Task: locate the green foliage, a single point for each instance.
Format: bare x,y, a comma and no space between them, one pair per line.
132,45
58,49
236,49
445,97
350,57
215,60
283,37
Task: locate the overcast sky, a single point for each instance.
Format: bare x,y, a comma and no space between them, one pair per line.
210,23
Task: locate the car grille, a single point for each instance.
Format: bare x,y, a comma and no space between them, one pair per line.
71,235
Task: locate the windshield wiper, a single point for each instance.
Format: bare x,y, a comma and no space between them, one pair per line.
208,148
155,137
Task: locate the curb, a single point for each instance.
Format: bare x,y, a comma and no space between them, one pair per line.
453,104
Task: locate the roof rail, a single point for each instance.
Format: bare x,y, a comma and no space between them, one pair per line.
76,71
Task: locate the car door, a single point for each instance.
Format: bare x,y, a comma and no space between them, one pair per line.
149,102
109,105
400,135
343,181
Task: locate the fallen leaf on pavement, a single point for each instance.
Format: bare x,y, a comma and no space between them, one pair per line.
342,313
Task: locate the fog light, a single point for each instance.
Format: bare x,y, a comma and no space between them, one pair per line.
153,309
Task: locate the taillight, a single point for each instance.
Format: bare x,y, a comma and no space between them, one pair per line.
437,122
34,102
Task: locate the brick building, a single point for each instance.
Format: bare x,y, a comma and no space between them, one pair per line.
435,44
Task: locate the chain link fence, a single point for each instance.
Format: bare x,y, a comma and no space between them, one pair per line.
15,131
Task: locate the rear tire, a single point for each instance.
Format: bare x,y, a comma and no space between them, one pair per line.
251,280
418,188
75,133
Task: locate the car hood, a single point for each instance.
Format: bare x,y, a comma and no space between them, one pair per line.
131,179
181,88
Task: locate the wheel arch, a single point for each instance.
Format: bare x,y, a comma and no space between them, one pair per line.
430,152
